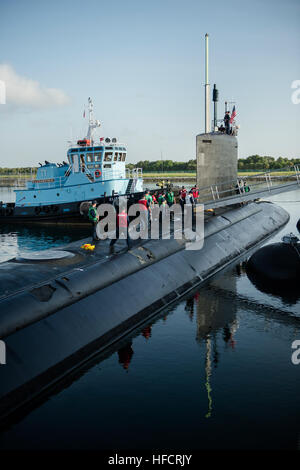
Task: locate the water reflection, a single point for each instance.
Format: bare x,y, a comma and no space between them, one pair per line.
289,295
210,314
15,239
147,332
125,355
213,314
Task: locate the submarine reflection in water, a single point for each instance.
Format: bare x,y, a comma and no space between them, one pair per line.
211,314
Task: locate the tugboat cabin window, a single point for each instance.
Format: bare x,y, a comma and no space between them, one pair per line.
97,157
97,165
91,166
108,165
116,157
89,157
123,157
120,157
108,156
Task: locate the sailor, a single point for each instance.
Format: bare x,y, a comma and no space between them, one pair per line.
148,197
150,201
246,187
227,122
189,201
161,199
144,211
94,218
182,196
170,197
122,227
195,192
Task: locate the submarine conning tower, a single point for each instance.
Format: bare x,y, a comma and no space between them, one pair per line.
217,150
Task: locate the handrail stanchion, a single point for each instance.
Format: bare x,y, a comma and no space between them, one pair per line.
296,167
267,181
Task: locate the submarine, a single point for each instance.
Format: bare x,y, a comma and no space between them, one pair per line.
60,307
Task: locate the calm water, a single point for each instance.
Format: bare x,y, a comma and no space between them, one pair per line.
16,240
213,371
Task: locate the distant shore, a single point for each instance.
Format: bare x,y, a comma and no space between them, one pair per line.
152,177
191,177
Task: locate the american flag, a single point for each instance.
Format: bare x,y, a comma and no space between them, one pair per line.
233,114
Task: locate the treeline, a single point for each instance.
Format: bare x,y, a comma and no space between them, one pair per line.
164,165
254,162
18,171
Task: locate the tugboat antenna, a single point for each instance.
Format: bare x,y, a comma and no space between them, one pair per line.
92,124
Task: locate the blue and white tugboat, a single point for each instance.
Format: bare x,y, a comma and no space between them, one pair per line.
93,171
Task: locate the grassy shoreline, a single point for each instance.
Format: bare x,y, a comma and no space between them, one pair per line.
193,174
166,175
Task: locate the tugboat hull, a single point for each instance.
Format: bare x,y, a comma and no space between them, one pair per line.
68,213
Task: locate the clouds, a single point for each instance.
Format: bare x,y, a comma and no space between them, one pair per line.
27,93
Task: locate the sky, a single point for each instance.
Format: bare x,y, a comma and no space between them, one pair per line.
142,63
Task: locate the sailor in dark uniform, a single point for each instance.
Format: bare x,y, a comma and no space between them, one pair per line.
227,122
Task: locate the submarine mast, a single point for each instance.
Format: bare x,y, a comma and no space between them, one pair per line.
207,89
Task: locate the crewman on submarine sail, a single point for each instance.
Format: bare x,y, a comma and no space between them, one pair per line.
227,122
94,218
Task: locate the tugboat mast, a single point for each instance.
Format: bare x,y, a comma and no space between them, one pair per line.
92,124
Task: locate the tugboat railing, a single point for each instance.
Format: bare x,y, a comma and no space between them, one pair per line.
134,173
59,182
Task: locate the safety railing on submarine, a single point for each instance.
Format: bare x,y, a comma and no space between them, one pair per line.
250,186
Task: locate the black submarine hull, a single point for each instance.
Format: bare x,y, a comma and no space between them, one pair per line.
59,314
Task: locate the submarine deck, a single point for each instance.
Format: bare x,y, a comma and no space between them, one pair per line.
36,270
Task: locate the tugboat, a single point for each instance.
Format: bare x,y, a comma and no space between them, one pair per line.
61,192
